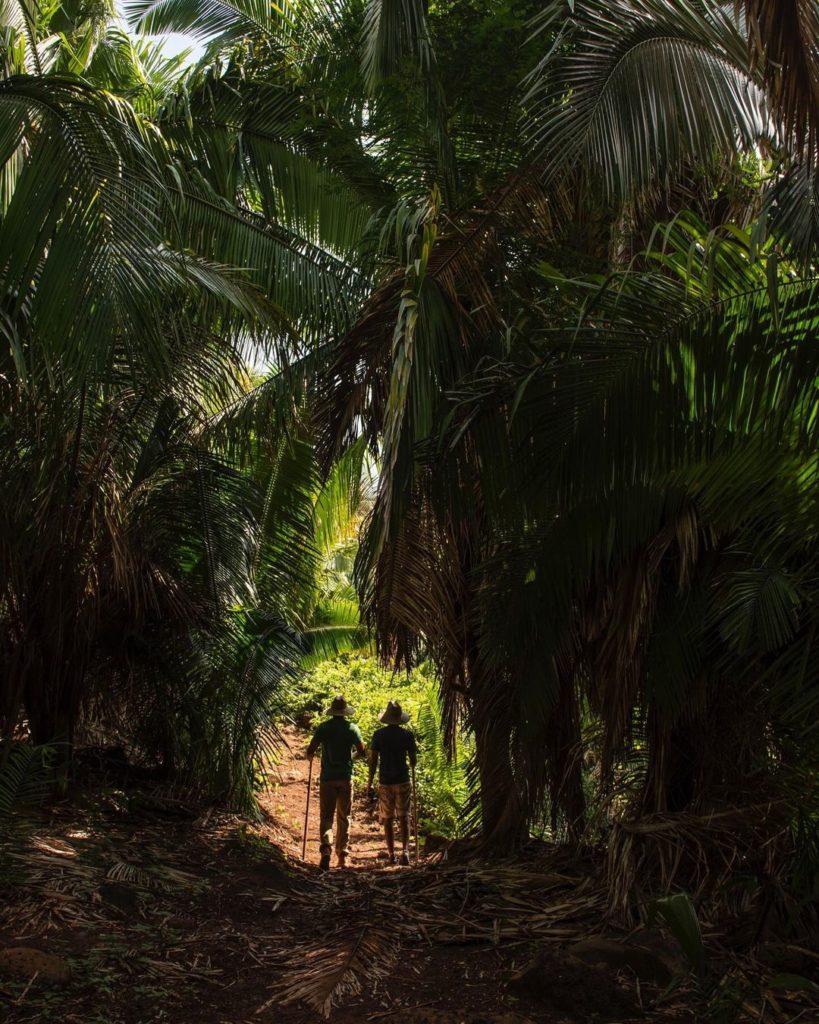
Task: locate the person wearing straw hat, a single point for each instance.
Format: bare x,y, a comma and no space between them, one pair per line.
390,750
338,737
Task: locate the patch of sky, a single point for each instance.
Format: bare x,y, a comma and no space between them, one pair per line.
172,43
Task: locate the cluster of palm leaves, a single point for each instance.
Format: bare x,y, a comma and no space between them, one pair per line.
163,244
586,363
552,266
593,380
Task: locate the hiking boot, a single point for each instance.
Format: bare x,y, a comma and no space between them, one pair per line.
342,860
404,860
324,863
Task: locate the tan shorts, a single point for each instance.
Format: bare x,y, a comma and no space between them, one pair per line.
394,800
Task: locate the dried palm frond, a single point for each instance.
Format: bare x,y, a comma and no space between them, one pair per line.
697,853
154,876
782,40
132,874
469,903
322,973
62,882
498,903
53,844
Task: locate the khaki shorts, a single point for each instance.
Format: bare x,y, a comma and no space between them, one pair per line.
394,800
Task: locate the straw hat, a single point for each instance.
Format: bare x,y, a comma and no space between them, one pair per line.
393,715
339,708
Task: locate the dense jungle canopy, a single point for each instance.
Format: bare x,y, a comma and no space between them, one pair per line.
485,330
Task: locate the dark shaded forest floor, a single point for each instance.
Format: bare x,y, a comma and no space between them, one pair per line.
136,910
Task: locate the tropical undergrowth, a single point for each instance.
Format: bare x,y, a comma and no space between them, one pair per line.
557,278
160,556
443,788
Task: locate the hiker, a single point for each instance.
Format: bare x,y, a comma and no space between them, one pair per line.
337,737
392,746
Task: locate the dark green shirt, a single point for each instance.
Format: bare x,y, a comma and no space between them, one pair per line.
338,737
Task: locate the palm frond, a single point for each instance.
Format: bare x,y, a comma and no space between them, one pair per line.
335,628
24,19
341,503
631,91
207,19
394,30
782,38
26,778
333,967
134,68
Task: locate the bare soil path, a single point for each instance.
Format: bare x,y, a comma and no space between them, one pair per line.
132,907
285,802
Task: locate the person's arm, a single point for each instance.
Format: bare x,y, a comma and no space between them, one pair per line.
361,750
373,765
314,743
412,750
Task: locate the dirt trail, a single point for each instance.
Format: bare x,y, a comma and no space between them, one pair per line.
159,913
285,802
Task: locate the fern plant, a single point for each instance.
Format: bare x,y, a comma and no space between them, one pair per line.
442,775
26,777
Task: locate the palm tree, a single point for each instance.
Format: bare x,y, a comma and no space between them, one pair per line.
452,509
648,570
595,437
143,574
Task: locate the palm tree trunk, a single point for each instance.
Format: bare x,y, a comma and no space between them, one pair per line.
503,815
504,823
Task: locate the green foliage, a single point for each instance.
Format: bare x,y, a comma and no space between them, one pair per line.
26,779
442,784
160,233
680,915
442,775
595,511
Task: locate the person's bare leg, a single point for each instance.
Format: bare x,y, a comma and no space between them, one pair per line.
403,822
389,836
404,825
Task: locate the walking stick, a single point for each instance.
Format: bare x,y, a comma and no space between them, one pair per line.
307,810
415,813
